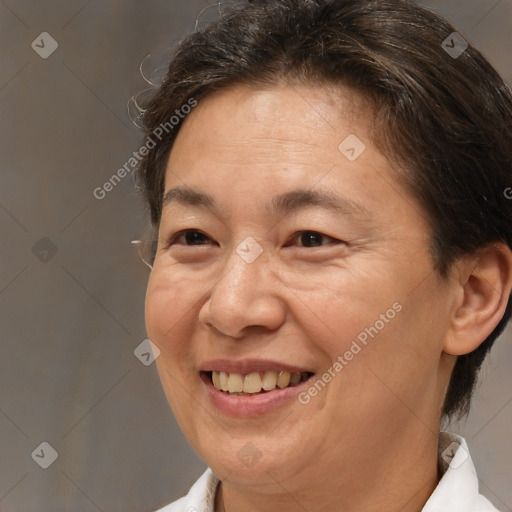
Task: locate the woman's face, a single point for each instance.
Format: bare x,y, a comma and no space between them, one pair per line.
263,279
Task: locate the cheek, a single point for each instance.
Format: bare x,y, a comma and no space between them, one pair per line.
376,328
169,311
398,366
169,302
342,307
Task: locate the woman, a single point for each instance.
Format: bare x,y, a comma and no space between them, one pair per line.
327,180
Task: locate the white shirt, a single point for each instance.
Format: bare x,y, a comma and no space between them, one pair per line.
457,490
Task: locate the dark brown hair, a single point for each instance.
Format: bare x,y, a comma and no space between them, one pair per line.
443,118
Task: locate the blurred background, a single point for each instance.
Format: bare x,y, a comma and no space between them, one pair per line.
72,285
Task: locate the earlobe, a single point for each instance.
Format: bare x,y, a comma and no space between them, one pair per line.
484,286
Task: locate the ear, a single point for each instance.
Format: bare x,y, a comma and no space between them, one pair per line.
482,290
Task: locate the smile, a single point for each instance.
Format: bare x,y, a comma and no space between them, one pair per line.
255,382
252,387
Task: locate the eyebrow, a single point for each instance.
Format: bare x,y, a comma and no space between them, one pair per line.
288,202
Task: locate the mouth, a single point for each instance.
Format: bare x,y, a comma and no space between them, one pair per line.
254,383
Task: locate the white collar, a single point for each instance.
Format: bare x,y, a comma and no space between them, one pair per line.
457,490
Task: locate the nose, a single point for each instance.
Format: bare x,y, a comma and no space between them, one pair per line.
247,296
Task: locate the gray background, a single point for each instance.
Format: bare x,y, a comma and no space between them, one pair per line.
70,321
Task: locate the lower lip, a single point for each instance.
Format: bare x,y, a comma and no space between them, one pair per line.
251,405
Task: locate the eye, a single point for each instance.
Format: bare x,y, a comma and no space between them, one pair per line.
190,236
313,238
193,237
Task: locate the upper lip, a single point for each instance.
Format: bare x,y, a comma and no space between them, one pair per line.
245,366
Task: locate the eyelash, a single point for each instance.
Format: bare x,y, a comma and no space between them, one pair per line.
174,239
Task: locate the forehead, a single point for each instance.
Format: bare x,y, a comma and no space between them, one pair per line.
288,109
247,145
300,126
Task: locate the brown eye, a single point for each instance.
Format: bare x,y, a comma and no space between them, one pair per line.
313,238
189,237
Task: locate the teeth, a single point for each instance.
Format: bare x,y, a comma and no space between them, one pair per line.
283,380
295,378
223,378
269,380
252,383
255,382
235,383
216,380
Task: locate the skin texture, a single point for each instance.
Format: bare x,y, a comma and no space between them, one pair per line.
368,441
